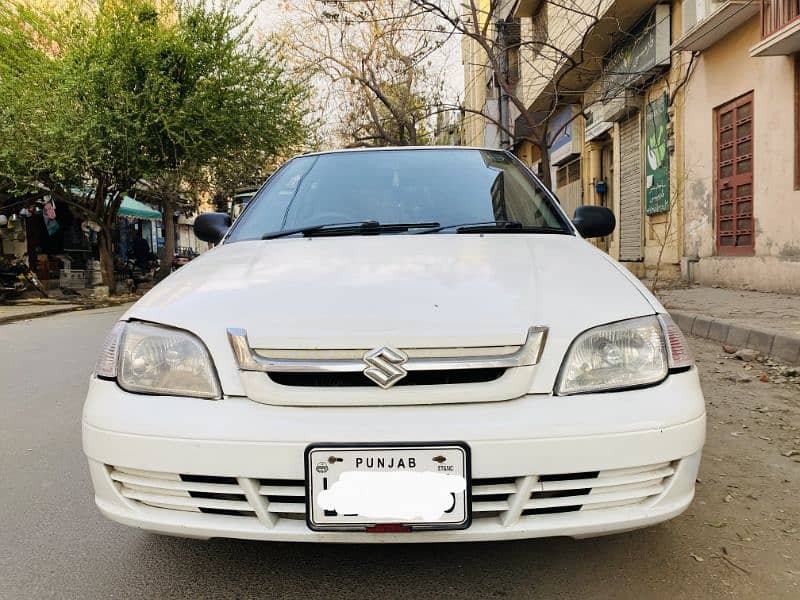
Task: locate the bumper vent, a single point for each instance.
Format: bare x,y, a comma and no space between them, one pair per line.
210,494
507,499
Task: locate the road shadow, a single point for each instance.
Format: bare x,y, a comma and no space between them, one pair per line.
526,568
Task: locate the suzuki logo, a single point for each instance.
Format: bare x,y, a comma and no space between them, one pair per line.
383,366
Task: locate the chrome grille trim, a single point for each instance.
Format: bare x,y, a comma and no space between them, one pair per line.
248,359
358,353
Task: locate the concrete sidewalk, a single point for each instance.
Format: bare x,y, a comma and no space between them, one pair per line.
20,312
32,308
764,321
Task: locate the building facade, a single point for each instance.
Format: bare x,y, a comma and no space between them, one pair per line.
478,103
609,126
633,147
663,126
742,167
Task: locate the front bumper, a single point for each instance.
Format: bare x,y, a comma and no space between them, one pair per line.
642,447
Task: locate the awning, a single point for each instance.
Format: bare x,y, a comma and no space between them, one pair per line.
130,207
134,209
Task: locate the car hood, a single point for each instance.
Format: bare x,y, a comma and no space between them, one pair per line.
406,291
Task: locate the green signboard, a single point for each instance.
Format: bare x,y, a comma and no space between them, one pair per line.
633,60
657,157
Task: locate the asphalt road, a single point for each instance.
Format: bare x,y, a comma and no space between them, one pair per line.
739,538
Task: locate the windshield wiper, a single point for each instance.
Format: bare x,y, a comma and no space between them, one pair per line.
312,229
494,227
490,224
353,228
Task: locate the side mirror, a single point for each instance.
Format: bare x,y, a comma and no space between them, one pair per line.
212,227
594,221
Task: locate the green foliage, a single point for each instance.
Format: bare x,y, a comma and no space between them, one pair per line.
110,92
123,90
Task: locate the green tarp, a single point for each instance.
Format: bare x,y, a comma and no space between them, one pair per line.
132,208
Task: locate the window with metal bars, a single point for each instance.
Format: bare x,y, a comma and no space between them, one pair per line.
509,38
734,177
568,173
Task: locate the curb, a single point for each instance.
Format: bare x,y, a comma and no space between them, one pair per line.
61,310
36,315
766,341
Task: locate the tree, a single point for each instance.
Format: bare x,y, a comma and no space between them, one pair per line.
372,64
113,92
556,64
369,124
538,66
215,93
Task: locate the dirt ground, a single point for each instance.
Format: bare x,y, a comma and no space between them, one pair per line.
743,529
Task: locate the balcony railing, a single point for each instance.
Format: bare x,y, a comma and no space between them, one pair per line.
776,14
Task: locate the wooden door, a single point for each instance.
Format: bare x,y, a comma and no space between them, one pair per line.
734,177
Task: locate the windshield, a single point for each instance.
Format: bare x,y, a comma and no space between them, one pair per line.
445,186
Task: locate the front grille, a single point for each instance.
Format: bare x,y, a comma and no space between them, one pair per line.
499,498
446,374
358,379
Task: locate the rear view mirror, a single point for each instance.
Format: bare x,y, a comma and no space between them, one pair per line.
594,221
212,227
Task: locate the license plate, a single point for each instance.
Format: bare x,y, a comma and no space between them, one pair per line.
413,486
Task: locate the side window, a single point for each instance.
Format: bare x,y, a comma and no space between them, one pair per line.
269,207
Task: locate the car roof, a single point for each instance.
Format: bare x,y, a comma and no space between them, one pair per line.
392,148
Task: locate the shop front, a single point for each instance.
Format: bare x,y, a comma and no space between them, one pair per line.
138,221
627,154
61,245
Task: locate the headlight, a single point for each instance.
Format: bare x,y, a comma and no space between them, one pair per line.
616,356
157,360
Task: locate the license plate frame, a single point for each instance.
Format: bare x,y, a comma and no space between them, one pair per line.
363,525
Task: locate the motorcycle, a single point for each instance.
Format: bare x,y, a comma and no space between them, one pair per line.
16,278
135,273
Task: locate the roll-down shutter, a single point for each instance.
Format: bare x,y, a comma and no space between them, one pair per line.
630,222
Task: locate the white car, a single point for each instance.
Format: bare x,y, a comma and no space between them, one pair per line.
427,311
